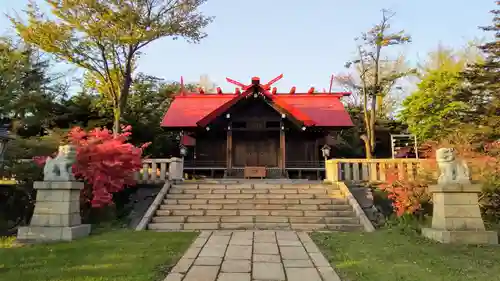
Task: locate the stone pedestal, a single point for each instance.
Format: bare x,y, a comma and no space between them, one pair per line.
57,213
456,216
176,169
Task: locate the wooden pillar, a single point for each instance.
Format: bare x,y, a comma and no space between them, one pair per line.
282,153
229,150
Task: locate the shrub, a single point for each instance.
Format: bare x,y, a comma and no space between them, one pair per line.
105,161
410,197
407,196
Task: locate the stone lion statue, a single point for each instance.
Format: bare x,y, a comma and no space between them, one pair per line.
451,169
60,167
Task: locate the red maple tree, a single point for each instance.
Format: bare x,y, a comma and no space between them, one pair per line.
105,161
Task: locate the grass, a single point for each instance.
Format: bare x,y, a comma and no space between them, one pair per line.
122,255
390,255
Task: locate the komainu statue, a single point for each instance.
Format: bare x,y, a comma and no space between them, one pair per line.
60,167
451,169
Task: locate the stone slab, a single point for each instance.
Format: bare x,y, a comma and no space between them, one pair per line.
461,236
58,185
56,219
239,252
301,274
236,266
182,265
202,273
52,233
266,258
266,248
213,251
234,277
268,271
208,261
293,253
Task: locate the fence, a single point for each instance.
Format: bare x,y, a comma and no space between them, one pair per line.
160,170
374,170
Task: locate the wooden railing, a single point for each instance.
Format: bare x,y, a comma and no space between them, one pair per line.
373,170
159,170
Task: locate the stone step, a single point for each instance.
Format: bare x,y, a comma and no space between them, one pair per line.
279,213
255,219
252,186
234,206
176,226
254,194
257,201
287,192
299,207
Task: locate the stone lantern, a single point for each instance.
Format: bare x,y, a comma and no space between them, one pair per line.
325,150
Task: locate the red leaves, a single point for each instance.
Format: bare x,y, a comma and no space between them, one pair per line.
104,161
407,196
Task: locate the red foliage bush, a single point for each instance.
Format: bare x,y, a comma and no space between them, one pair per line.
106,162
408,194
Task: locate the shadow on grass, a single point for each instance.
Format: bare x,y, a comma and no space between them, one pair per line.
118,255
390,255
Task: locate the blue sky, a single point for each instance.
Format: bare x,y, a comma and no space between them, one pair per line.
305,42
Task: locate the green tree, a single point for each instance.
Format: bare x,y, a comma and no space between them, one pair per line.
375,76
437,107
105,37
25,85
482,87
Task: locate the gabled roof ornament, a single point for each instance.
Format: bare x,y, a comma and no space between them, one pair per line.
255,82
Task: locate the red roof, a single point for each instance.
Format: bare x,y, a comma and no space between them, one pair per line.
186,111
323,109
195,109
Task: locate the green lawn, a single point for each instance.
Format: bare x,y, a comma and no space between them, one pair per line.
121,255
389,255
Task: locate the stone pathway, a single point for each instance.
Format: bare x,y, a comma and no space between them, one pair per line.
253,256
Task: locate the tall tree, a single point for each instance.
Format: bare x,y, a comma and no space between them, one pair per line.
27,89
437,107
375,75
482,87
105,37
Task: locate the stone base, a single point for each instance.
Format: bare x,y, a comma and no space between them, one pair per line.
52,233
461,236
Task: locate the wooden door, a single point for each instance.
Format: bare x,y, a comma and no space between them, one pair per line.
267,152
255,149
239,154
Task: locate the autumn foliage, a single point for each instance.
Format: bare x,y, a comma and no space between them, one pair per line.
409,194
106,162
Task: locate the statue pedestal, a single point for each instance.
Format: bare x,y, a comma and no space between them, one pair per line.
456,216
57,213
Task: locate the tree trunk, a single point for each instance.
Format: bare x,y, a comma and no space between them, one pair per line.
124,92
366,141
116,121
373,118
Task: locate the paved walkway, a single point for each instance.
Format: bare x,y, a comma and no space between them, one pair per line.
253,256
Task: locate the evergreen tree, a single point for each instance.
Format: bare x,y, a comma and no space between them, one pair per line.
482,87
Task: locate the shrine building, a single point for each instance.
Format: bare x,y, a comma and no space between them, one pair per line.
278,135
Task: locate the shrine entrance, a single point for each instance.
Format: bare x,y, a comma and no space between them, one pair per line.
254,148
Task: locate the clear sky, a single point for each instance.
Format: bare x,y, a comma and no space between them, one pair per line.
307,41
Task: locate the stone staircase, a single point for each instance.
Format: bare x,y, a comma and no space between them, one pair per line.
235,206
